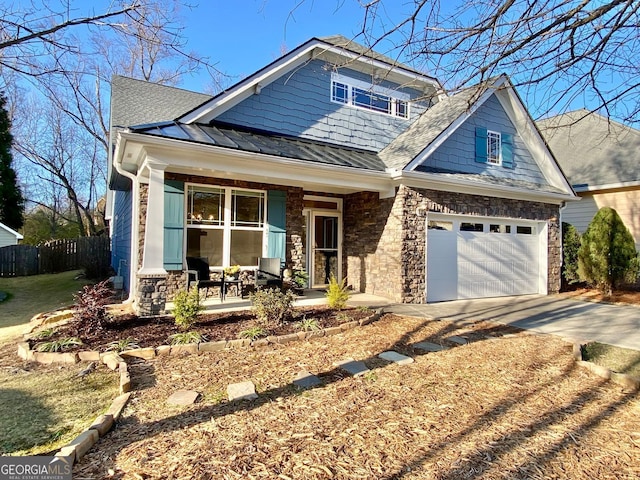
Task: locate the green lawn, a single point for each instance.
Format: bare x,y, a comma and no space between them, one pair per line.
31,295
50,405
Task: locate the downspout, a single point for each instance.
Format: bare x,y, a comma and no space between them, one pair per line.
135,220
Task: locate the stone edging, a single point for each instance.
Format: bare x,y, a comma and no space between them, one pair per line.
78,447
628,382
112,360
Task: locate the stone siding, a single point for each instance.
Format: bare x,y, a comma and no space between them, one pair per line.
385,239
151,295
372,244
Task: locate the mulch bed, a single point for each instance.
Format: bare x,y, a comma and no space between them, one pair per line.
513,406
155,331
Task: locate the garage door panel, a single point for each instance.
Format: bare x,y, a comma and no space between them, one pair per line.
481,264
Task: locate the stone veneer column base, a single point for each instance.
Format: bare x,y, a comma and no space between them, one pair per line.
151,296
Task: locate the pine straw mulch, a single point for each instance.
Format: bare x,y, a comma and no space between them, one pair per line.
618,297
513,406
154,331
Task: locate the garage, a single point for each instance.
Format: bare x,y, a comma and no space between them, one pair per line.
481,257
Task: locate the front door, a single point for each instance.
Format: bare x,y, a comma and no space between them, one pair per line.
324,245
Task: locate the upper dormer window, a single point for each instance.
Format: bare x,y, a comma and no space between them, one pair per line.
370,97
493,148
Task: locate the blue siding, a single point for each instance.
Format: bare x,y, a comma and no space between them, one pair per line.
299,104
121,238
458,152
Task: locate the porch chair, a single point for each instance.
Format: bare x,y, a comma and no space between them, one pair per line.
198,267
269,273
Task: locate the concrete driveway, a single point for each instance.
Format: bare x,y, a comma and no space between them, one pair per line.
572,319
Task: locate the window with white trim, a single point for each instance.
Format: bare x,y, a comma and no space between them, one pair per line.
494,148
370,97
225,225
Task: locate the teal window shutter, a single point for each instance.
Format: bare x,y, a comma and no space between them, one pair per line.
507,150
277,224
481,145
173,224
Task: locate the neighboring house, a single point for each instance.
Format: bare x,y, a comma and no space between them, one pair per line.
601,159
339,161
8,236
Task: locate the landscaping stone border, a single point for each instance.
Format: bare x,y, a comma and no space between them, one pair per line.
114,360
628,382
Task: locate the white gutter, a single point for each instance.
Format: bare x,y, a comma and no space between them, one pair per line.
460,185
135,218
606,186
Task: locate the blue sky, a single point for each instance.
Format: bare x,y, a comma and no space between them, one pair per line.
242,36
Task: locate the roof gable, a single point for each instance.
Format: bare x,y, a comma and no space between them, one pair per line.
336,51
412,150
594,151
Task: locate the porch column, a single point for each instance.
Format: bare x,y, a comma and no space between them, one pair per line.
153,246
152,277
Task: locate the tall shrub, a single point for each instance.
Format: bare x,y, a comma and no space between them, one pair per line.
570,247
607,256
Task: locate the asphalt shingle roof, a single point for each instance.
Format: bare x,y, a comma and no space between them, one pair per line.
591,149
427,128
136,102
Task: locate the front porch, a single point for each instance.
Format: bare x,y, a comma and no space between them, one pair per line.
309,297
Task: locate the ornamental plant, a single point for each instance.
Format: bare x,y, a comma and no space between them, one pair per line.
337,293
272,307
186,306
607,256
570,247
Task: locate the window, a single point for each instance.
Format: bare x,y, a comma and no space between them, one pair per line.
440,225
493,148
370,97
471,227
522,230
499,228
225,225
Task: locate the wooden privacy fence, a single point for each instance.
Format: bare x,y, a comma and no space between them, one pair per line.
90,253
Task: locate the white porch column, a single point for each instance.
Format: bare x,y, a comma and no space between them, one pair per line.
153,246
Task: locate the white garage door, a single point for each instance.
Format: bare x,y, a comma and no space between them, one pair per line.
484,257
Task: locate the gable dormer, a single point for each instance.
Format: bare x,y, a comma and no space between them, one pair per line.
330,90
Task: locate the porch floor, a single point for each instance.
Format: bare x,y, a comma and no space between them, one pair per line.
309,297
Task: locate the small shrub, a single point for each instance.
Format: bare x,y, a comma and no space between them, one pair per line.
337,293
607,256
343,317
308,325
363,308
570,247
300,278
123,344
90,306
186,337
44,334
253,333
272,307
186,306
58,345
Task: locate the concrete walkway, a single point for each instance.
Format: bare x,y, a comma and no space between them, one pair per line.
572,319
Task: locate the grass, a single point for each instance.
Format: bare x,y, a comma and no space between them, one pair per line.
49,406
35,294
617,359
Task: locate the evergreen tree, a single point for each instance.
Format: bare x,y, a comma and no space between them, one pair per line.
570,247
607,256
11,200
